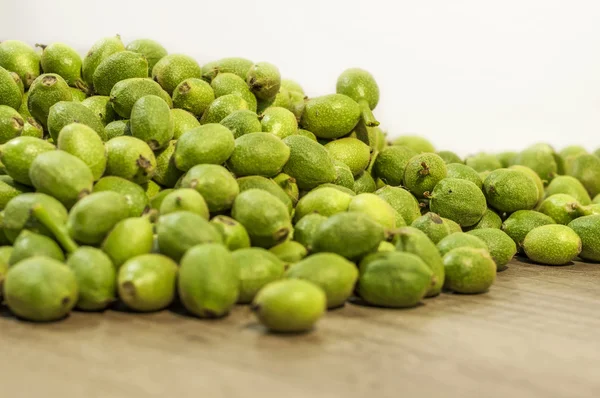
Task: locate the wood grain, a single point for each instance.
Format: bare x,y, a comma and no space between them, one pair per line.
535,334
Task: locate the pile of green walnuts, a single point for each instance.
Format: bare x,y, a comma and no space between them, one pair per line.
136,175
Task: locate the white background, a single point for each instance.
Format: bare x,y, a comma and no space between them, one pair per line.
471,75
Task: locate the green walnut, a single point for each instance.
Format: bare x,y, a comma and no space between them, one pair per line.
330,116
150,49
193,95
509,190
20,58
172,69
184,199
349,234
561,207
257,268
289,305
541,159
460,239
261,154
290,252
215,183
324,201
331,272
588,229
432,225
469,270
501,247
414,142
377,208
233,233
83,142
96,278
116,67
423,172
413,240
586,168
45,91
183,121
264,80
151,122
61,175
519,223
209,281
570,186
309,163
40,289
264,216
391,162
490,219
101,50
361,86
125,94
394,279
137,199
552,244
450,157
147,283
483,162
464,172
179,231
266,184
29,244
18,154
458,200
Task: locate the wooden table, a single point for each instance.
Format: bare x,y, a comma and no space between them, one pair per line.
535,334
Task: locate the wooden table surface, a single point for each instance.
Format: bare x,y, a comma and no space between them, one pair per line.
535,334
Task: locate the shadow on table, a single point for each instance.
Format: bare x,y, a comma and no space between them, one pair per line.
524,260
5,313
71,320
178,309
257,327
355,300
